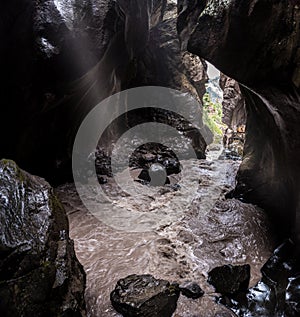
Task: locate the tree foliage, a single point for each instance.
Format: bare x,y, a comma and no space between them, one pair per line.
212,116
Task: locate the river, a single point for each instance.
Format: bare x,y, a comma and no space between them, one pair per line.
210,231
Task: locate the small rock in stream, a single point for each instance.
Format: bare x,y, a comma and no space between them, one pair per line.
102,180
144,175
144,296
230,279
155,176
158,175
191,290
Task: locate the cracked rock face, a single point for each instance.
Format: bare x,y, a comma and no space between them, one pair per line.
256,43
40,274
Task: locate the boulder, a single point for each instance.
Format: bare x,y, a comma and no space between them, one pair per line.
281,265
154,153
144,296
39,272
156,175
230,279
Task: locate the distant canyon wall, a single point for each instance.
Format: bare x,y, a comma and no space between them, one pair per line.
233,104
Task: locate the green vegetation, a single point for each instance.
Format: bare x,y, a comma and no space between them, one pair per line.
212,117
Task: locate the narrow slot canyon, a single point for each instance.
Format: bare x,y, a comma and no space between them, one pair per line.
150,158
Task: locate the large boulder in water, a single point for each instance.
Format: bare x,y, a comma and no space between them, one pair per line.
39,272
144,296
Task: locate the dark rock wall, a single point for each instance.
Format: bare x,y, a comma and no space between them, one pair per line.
257,41
257,44
39,272
40,55
61,58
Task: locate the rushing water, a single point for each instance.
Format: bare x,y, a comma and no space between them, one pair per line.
210,231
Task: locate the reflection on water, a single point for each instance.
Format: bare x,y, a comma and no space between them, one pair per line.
210,232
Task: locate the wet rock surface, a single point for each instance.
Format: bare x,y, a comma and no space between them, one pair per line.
39,272
156,175
276,294
228,30
191,290
233,142
230,279
128,50
145,296
46,46
151,153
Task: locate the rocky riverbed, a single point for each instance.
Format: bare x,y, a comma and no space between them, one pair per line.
211,231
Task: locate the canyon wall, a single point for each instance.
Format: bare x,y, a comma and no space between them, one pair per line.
257,44
61,58
233,104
